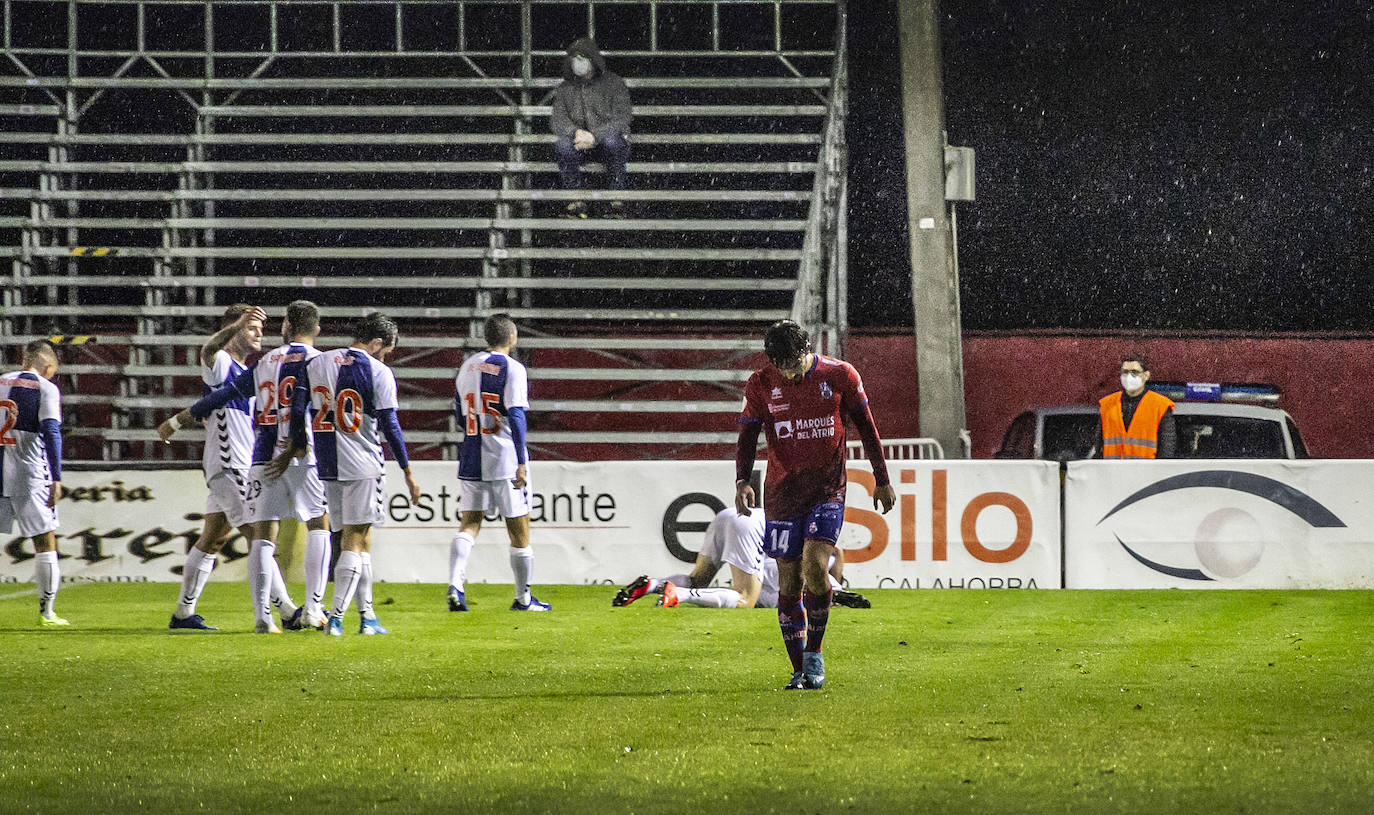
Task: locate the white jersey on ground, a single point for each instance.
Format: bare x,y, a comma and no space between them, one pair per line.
274,381
26,399
488,385
229,430
347,389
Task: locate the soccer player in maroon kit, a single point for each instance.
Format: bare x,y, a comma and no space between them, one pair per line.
800,401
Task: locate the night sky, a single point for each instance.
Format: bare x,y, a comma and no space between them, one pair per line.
1174,166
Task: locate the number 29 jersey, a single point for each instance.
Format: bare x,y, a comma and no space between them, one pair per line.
347,389
274,381
488,385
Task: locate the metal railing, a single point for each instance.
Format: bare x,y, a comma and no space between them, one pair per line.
822,280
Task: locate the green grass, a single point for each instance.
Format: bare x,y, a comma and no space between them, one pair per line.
937,701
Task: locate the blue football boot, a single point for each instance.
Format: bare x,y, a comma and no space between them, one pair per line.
532,605
193,623
333,626
813,670
457,600
370,626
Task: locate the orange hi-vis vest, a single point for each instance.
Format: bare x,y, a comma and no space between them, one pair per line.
1142,439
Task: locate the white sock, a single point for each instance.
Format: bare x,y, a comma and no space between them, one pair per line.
281,598
522,566
709,598
835,585
260,558
316,568
194,575
458,552
46,576
347,572
365,586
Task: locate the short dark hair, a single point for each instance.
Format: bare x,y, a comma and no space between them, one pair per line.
498,330
785,341
377,326
234,312
1136,356
39,349
302,317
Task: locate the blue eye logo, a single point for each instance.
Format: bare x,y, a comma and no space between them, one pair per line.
1229,541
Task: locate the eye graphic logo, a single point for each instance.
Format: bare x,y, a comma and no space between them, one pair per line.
1229,541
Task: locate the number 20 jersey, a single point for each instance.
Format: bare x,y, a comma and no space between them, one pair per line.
347,389
488,385
274,382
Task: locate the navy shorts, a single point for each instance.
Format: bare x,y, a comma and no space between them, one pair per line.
784,539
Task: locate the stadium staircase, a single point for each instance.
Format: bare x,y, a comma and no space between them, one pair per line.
400,160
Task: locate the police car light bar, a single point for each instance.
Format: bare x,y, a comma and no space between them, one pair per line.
1244,392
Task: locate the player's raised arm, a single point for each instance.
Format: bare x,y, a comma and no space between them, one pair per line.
221,337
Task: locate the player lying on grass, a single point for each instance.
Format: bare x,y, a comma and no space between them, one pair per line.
735,540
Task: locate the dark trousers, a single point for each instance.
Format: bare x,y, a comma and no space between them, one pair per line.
613,151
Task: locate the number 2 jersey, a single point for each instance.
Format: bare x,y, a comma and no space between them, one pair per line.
352,404
804,425
492,395
31,438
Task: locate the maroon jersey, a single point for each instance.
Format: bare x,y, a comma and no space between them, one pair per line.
804,425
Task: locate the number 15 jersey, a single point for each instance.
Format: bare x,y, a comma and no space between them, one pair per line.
347,389
489,384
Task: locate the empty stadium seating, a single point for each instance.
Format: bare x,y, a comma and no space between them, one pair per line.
144,186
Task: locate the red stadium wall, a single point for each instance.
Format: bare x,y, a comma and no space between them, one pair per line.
1325,380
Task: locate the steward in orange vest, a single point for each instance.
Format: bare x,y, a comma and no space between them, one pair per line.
1137,422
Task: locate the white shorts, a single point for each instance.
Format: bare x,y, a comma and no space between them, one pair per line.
353,503
502,496
228,496
298,494
30,508
736,540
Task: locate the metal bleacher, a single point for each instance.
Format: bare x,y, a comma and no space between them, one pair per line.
160,159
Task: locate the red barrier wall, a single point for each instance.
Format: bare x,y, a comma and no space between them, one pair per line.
1326,380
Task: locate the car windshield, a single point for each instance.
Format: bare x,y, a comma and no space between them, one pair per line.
1228,437
1069,436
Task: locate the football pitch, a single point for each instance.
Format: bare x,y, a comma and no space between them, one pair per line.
936,701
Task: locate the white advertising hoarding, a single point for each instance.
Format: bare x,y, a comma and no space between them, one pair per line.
1219,524
956,524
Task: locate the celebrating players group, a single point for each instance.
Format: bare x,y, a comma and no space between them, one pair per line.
298,434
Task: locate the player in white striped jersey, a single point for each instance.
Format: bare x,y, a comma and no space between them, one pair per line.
228,453
31,465
297,493
492,396
352,406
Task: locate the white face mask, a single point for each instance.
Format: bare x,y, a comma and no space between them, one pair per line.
1132,382
581,66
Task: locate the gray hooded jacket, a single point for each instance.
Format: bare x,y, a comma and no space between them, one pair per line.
599,103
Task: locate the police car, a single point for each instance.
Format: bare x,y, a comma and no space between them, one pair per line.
1212,420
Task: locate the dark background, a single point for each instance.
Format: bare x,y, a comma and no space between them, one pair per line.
1178,165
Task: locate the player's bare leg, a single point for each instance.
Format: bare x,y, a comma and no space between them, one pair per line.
748,585
47,576
215,531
